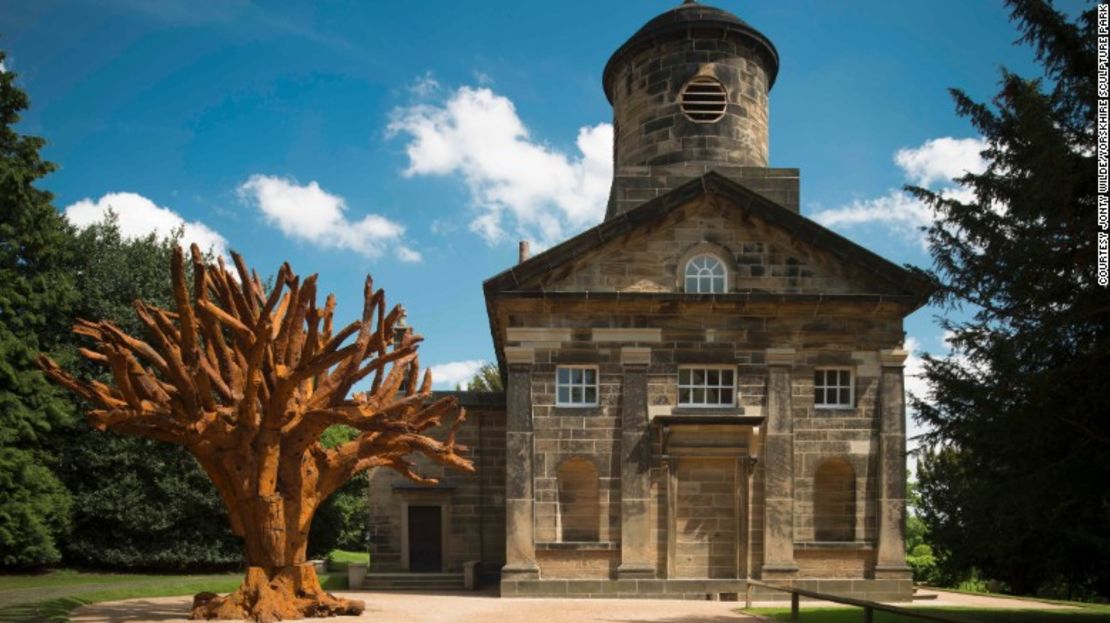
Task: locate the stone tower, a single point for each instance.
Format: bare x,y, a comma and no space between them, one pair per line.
690,94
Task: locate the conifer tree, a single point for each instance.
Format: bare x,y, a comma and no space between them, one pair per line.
35,296
1013,479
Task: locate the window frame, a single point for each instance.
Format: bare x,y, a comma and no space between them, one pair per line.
706,387
851,404
596,385
686,274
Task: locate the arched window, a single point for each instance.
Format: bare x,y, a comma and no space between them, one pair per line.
705,274
834,501
579,502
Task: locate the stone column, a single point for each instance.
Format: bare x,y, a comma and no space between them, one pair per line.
890,560
778,469
636,554
520,545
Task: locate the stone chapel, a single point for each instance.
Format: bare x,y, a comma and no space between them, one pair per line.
706,387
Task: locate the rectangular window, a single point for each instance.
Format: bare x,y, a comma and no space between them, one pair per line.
833,388
706,387
576,386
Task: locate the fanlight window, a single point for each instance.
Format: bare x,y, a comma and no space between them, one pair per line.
705,274
704,100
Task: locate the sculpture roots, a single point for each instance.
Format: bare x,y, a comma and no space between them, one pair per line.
275,595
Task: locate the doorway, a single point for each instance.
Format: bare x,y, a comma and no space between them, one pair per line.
425,531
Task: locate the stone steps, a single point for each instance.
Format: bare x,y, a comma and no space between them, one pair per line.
413,582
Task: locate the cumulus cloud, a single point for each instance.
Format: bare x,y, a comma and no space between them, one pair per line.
310,213
934,164
517,185
138,217
455,373
897,210
942,160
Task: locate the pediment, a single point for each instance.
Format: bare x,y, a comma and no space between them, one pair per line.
765,248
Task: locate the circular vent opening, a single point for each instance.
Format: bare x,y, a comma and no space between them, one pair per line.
704,100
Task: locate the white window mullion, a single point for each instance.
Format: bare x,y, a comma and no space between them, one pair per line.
713,386
576,386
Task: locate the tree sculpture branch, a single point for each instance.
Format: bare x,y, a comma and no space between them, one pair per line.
248,381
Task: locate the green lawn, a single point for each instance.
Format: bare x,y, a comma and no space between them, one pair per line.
1084,613
50,597
338,560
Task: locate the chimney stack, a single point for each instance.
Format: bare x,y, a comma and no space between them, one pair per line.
524,253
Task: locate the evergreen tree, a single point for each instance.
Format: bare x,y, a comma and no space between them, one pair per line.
138,504
1013,480
35,296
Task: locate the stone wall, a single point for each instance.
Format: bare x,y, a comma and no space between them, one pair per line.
759,258
576,433
652,130
633,185
829,562
706,519
474,506
703,550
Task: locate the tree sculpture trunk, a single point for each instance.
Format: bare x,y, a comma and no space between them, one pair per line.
248,381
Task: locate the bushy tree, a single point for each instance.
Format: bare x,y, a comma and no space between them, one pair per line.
1013,480
486,379
919,553
342,519
35,296
138,504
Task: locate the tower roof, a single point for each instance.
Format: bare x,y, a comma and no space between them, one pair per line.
679,22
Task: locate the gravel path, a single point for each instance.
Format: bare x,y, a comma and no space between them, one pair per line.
453,608
487,607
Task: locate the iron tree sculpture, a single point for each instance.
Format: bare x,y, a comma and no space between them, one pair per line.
248,381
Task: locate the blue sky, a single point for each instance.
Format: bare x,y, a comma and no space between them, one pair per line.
402,138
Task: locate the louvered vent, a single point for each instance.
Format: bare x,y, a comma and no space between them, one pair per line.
704,100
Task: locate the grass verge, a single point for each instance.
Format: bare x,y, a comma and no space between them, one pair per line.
338,560
1082,613
50,597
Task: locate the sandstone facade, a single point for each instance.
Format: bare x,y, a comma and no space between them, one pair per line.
662,436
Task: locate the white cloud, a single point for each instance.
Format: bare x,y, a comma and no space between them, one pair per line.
308,212
936,160
914,370
942,160
455,373
139,216
516,184
913,374
899,211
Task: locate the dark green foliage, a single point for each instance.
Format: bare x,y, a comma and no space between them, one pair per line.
340,522
138,504
919,553
1014,478
141,504
487,379
35,295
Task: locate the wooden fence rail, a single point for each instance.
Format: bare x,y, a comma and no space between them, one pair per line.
869,607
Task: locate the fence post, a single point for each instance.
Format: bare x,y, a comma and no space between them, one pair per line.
868,614
793,606
748,596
